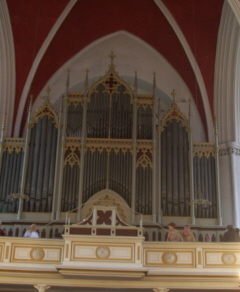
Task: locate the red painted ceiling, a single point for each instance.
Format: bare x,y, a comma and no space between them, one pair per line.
93,19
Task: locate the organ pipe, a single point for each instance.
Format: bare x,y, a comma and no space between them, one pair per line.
62,150
159,203
154,153
134,148
2,138
82,151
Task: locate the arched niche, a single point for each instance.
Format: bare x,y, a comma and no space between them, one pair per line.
133,54
107,197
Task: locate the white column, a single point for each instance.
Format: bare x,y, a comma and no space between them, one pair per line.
134,150
219,213
159,163
82,152
82,158
62,150
25,160
191,185
154,152
55,187
234,187
2,139
41,287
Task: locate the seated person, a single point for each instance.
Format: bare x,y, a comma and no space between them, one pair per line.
32,233
187,235
173,235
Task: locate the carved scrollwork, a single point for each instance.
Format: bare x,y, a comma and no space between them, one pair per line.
72,159
174,113
144,161
46,109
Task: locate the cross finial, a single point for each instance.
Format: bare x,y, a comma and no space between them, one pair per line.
47,91
173,94
112,56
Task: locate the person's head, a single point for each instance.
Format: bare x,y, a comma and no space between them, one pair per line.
172,226
33,227
230,227
186,229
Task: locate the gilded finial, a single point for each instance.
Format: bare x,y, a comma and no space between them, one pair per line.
173,93
215,126
47,91
112,56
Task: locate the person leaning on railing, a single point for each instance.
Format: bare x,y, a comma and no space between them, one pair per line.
173,234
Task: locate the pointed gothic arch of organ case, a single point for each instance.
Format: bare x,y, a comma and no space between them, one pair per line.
109,133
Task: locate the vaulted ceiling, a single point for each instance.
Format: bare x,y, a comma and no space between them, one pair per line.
47,33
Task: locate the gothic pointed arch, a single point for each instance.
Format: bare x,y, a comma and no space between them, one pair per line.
174,113
175,178
110,106
46,109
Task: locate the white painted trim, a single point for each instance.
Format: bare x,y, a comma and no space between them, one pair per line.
226,93
36,63
235,5
194,65
7,68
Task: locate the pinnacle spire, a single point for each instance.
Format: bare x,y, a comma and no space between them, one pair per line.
30,103
189,109
215,126
4,121
86,83
173,93
67,82
112,57
154,83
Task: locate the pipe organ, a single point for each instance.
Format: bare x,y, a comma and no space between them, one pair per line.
109,137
